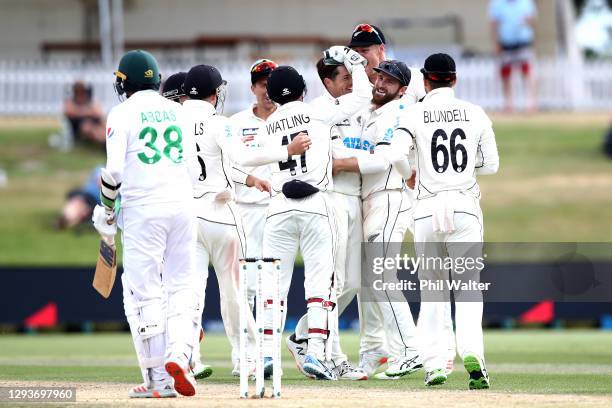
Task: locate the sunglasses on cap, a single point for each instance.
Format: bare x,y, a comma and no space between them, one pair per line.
263,65
393,70
369,29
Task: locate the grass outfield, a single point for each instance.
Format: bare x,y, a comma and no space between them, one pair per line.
527,361
554,185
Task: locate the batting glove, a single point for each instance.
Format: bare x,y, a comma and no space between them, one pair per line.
104,223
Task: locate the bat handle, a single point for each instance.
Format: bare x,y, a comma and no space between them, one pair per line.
109,239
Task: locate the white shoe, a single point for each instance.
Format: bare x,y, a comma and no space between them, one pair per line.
199,370
371,361
236,370
345,371
163,390
318,369
298,348
184,383
401,366
435,377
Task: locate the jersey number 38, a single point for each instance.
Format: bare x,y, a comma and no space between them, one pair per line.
173,149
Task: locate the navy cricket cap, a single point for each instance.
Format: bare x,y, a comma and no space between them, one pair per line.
173,86
285,84
261,69
366,34
396,69
439,68
202,81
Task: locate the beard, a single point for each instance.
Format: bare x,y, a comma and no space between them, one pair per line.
380,100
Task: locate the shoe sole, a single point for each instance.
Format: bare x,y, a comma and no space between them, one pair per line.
182,385
384,377
478,381
316,373
362,378
403,373
153,394
207,372
436,381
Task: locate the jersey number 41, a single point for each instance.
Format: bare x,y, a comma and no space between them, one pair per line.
292,164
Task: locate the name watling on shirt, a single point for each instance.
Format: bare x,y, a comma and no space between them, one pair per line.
284,124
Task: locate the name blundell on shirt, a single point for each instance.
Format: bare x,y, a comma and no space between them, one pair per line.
454,115
284,124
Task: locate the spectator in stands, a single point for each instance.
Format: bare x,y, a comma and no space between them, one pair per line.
80,202
86,117
512,25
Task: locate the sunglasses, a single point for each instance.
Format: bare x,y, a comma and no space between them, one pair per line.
369,29
263,65
394,70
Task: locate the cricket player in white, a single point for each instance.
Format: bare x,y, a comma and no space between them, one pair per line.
386,218
455,142
221,239
145,163
369,41
252,203
300,215
347,92
173,90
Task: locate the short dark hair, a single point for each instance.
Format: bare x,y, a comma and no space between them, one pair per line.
327,71
439,84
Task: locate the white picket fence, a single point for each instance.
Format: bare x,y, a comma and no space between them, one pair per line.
38,89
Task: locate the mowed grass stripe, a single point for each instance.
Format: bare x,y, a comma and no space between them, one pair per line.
528,361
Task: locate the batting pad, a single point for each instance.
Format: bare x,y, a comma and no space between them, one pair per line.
106,269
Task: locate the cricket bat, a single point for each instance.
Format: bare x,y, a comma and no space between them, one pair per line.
106,268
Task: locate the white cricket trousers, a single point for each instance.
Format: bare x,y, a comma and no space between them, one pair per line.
387,325
158,259
432,326
349,233
306,225
221,241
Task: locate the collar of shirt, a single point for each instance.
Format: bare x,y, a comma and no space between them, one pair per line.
288,105
441,92
252,113
144,93
196,104
387,107
329,97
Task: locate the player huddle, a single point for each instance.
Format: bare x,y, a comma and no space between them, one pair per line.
357,164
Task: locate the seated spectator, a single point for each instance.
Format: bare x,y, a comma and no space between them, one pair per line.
80,202
85,116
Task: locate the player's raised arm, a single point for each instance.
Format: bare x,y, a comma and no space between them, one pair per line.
487,157
349,104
